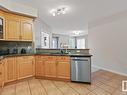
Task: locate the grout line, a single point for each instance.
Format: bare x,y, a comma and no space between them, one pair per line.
69,87
52,82
92,91
15,89
73,88
106,90
29,87
103,88
83,87
57,87
43,87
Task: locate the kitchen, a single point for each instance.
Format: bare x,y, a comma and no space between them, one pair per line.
37,59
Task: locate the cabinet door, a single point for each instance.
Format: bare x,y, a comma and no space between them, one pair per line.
1,73
25,67
63,70
11,69
50,68
13,27
2,27
39,69
27,30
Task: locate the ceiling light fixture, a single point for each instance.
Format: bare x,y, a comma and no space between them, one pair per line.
77,32
59,11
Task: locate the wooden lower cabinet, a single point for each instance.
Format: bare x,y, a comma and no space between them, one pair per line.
53,67
2,73
19,68
50,68
63,69
25,67
11,69
39,69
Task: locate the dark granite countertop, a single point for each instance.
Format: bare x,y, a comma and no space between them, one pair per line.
13,55
71,55
46,54
51,54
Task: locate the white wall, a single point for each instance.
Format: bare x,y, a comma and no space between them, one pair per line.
18,8
108,43
41,26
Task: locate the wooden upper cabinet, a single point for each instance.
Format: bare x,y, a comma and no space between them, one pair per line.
11,69
2,28
27,29
16,27
13,27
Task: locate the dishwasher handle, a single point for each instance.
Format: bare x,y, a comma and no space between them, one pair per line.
79,59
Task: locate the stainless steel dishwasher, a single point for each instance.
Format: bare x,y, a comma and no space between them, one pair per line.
81,69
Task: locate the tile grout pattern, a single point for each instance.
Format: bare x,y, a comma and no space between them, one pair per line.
103,83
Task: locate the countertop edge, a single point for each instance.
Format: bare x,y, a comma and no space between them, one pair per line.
45,54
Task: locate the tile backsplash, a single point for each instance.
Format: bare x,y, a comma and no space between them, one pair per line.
72,51
7,47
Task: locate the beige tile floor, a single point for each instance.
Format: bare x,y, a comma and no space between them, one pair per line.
103,83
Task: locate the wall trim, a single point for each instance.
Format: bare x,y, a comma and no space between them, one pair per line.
98,67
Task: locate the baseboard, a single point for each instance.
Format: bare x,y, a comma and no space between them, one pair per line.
98,67
94,69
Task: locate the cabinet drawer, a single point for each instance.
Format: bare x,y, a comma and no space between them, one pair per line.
43,57
25,58
63,58
39,58
50,58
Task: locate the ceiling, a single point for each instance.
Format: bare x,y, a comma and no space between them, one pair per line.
80,13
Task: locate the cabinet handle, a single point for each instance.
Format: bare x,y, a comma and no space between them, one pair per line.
0,73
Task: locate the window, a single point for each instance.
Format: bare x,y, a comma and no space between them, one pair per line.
55,42
80,43
44,40
77,43
72,43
